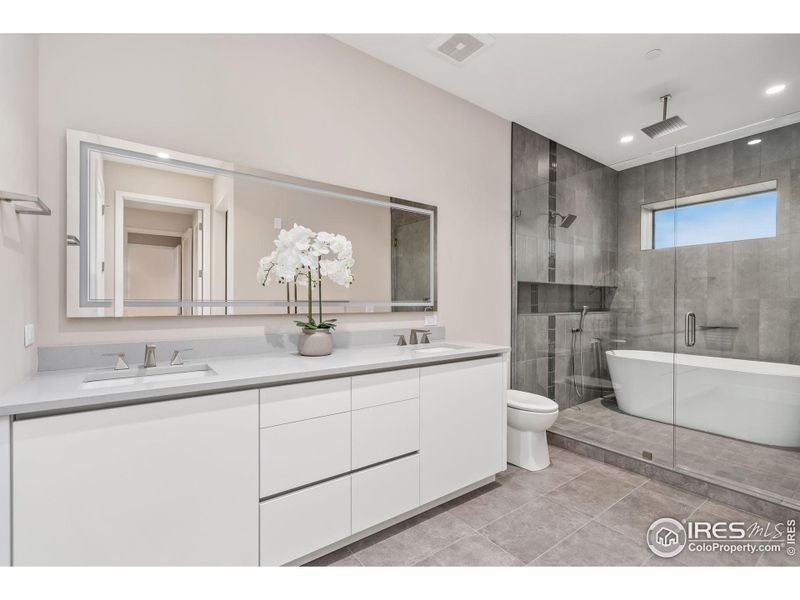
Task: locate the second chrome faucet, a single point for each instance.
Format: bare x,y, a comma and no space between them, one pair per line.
413,340
150,356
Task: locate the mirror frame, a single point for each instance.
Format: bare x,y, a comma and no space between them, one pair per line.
79,145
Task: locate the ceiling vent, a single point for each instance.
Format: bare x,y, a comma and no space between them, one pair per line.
460,47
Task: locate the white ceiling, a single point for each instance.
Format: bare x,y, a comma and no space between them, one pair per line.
586,91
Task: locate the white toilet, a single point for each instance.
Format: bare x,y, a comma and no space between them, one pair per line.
529,416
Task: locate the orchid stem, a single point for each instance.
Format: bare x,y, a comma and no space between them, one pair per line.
319,291
310,300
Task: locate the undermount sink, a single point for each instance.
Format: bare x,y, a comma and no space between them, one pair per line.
139,375
439,349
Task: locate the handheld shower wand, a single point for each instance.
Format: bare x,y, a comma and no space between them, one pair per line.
583,317
578,332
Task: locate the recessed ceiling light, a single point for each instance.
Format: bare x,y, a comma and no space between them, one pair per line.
754,142
653,54
775,89
626,139
162,155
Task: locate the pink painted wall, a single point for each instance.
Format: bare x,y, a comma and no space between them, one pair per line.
303,105
18,233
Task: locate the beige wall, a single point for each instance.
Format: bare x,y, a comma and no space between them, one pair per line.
18,233
154,272
306,106
157,220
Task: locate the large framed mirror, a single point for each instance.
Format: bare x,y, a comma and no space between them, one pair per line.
155,232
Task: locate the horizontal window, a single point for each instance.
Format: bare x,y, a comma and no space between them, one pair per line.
744,213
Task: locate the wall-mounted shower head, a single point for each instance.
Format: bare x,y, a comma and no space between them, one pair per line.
566,220
665,126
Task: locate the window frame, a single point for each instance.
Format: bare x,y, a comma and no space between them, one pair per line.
648,210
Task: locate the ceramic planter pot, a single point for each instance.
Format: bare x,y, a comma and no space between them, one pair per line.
315,342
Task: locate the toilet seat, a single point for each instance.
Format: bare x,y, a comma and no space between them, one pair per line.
530,402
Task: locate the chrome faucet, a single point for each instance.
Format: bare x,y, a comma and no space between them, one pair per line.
121,364
149,356
177,356
425,339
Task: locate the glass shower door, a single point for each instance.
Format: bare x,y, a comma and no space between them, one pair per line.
737,298
640,360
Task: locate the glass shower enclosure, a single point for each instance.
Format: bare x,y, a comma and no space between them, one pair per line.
657,301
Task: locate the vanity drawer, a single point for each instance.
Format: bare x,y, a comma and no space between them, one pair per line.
384,432
297,454
382,388
299,401
385,491
304,521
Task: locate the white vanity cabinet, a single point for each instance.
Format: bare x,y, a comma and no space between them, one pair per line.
271,476
416,437
163,483
338,456
462,420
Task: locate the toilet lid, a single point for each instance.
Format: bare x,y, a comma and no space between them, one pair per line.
530,402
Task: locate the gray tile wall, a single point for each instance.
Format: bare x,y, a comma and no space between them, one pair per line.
531,355
750,289
587,251
586,254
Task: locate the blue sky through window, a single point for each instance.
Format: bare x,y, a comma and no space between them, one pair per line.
743,218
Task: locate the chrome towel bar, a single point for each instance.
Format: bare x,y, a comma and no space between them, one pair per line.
22,204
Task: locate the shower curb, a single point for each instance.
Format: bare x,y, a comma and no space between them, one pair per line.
713,491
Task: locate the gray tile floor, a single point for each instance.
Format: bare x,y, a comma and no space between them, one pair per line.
767,471
577,512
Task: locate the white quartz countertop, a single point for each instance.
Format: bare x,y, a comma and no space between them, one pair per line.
64,390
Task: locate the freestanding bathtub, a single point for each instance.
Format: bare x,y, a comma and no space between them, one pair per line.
744,399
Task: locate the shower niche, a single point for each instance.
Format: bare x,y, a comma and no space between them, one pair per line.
553,298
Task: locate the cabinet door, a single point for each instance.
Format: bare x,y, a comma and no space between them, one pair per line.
462,416
301,401
297,454
384,432
375,389
301,522
164,483
385,491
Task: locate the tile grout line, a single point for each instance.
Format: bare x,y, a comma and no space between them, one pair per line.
427,556
593,519
543,495
385,540
538,495
353,554
466,535
638,487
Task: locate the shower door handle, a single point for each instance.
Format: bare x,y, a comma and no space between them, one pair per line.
690,335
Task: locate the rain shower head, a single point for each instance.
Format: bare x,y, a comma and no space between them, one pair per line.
566,220
665,126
